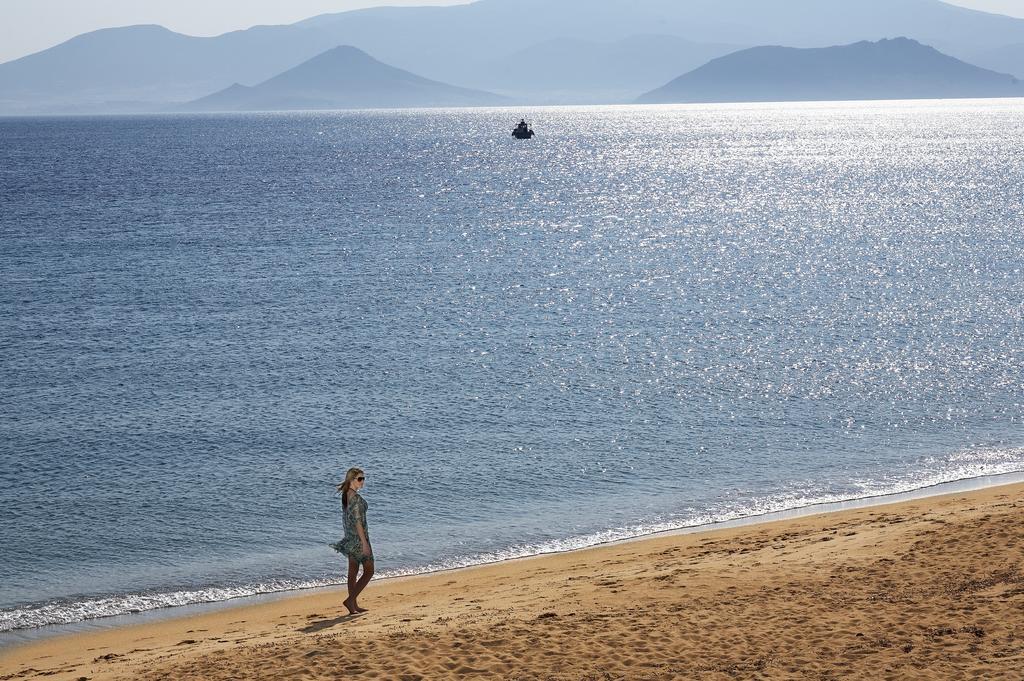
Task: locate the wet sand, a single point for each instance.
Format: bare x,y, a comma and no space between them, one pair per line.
924,589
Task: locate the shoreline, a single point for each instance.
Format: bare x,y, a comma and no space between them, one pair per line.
539,588
16,638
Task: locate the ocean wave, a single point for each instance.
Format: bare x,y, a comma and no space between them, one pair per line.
73,611
935,473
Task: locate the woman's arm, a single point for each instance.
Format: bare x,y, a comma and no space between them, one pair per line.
362,538
357,511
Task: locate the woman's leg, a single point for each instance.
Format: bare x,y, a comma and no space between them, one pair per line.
361,584
353,572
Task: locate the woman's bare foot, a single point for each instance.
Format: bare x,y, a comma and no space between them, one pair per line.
352,609
359,609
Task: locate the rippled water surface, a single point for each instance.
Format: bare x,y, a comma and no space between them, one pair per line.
643,318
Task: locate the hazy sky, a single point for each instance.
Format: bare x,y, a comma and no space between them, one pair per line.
28,26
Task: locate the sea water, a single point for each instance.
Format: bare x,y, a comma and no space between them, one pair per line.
644,318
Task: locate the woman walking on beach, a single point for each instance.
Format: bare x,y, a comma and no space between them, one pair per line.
356,544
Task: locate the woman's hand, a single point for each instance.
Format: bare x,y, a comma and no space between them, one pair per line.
366,549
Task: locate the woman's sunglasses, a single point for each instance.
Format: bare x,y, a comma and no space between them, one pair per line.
361,478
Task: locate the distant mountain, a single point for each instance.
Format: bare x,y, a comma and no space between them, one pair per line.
502,25
571,70
470,45
1005,59
450,43
342,78
887,69
150,64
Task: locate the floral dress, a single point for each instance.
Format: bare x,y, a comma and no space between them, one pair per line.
351,545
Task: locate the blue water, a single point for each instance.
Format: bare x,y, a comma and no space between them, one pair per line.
644,318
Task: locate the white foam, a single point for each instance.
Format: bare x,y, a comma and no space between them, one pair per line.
69,612
961,466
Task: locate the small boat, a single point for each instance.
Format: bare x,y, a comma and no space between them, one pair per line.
522,131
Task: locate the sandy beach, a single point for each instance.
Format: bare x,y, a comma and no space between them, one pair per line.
930,589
